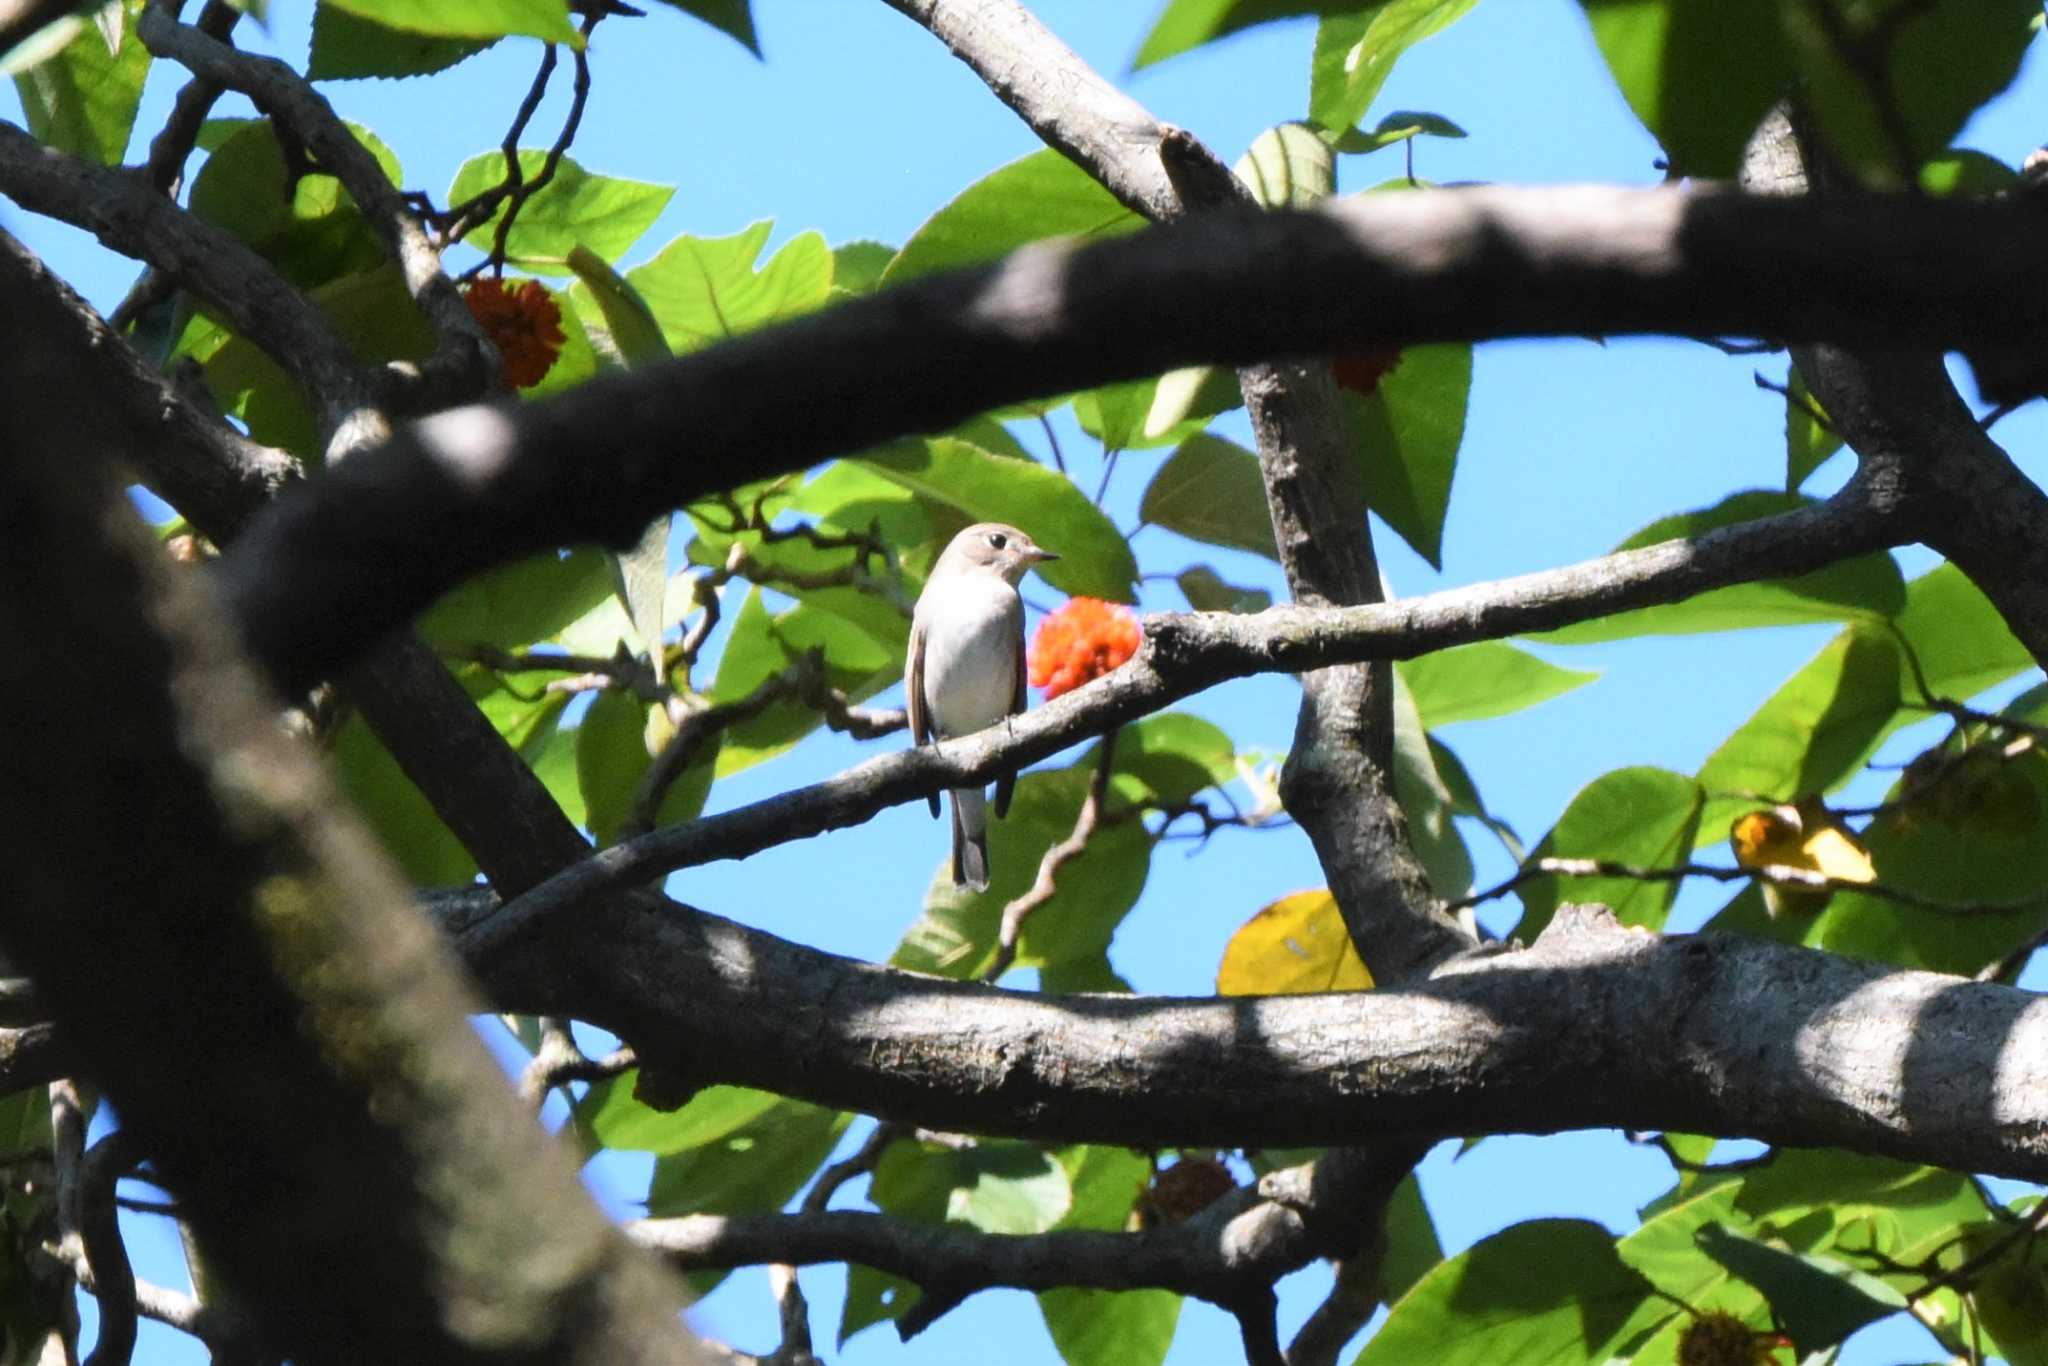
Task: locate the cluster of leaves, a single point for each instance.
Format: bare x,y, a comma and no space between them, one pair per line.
1812,1245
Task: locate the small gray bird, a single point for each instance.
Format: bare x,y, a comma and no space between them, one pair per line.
966,666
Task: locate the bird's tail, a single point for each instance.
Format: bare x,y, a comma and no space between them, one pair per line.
970,839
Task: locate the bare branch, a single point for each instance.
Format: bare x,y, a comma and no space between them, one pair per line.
478,487
1046,884
1183,654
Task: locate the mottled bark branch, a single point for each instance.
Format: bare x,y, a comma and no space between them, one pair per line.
335,568
1594,1027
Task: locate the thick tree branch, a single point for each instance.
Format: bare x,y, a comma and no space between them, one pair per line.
1183,654
1898,409
1594,1027
332,569
372,1117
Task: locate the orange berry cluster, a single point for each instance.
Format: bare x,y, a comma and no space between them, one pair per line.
1081,642
525,322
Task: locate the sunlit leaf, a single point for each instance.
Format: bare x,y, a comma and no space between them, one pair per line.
1643,817
1488,679
1040,195
1297,944
547,19
1357,46
1210,490
603,214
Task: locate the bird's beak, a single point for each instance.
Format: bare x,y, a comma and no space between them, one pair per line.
1041,556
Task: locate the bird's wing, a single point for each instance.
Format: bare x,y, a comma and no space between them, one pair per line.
913,697
1006,783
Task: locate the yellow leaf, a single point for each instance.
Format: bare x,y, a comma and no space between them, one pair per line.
1806,836
1296,944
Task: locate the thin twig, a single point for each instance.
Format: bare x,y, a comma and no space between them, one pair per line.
1045,885
1803,402
1777,874
559,1061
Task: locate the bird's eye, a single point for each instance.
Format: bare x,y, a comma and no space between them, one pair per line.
998,540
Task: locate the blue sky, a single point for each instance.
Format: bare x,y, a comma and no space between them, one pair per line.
860,125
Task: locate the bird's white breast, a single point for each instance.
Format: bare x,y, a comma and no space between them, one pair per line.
973,624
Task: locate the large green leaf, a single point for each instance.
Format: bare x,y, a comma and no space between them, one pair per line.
1811,735
1408,431
1357,46
83,100
754,1167
612,759
1289,167
1106,1327
610,1117
1549,1290
522,603
1040,195
1818,1300
603,214
1210,490
1095,560
1095,890
734,18
763,645
1476,682
1888,105
348,47
397,813
547,19
1647,817
1956,637
1859,589
309,227
1699,76
706,289
1168,758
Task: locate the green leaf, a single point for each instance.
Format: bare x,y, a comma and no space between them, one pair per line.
349,47
1465,800
610,1117
998,1186
1818,1300
1476,682
1958,639
1981,835
706,289
1939,65
1808,440
1095,560
1700,77
1185,25
1210,490
1811,735
1399,126
1427,802
1288,167
1190,396
1647,817
1852,590
1206,591
1412,1247
547,19
753,1168
1167,758
1103,1327
1966,171
611,756
762,646
1357,46
1115,413
1096,889
309,228
397,813
1545,1290
1664,1250
1407,434
602,214
520,604
734,18
83,100
1041,195
857,266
